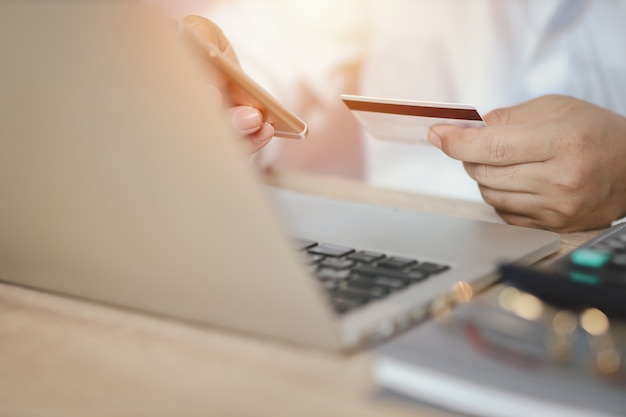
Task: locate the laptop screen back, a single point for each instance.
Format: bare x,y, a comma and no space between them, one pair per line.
122,182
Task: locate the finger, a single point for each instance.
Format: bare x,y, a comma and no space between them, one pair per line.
517,177
520,203
525,209
551,221
210,32
497,145
262,137
539,108
514,115
245,119
518,219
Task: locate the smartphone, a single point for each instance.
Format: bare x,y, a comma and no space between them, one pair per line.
286,124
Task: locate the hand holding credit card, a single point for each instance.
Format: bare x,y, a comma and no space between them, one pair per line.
406,120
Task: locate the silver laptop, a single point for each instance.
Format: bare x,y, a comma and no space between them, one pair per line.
120,184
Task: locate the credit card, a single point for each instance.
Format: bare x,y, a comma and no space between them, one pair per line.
406,120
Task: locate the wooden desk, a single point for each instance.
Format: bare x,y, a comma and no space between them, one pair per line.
63,357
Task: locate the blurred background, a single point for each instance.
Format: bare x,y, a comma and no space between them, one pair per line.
486,53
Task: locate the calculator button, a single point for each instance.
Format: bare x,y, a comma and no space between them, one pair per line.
584,278
590,258
619,261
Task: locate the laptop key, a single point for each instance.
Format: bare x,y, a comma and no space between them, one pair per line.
343,305
329,284
330,250
390,273
337,263
312,258
342,294
367,287
332,273
367,291
396,262
353,278
430,268
391,283
365,256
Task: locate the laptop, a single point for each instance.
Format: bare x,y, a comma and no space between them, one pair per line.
121,183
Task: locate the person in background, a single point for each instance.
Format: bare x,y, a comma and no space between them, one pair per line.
547,159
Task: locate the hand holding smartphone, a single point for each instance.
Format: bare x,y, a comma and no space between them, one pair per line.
286,124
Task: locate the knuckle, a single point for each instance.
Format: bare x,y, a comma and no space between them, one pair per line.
570,210
572,143
472,170
483,173
555,223
454,144
517,220
571,183
490,174
493,198
573,140
497,150
500,116
563,215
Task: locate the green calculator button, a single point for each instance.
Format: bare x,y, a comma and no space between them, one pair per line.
584,278
590,258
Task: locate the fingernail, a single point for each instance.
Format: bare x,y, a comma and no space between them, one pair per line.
247,120
434,138
264,134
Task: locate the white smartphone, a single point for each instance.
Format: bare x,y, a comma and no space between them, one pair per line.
286,124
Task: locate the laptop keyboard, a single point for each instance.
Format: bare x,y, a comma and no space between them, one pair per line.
353,278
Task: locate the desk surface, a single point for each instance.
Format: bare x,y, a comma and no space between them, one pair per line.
64,357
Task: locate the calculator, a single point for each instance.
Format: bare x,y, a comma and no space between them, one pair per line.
594,275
